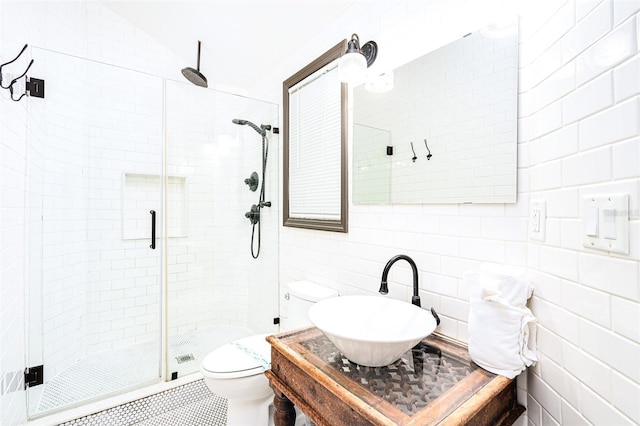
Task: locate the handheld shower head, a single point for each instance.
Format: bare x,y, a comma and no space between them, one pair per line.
262,130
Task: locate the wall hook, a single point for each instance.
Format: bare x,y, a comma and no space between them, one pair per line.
428,150
10,62
414,158
26,85
33,87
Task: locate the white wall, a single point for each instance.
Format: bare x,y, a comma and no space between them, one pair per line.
580,121
45,154
14,248
578,134
579,128
215,156
98,125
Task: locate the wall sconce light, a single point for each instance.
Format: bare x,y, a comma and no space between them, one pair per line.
353,65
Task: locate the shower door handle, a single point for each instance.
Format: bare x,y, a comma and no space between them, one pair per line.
153,229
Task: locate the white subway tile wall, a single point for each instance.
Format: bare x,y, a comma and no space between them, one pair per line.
89,276
15,227
579,127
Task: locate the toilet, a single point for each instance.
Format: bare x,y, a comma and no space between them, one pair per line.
235,371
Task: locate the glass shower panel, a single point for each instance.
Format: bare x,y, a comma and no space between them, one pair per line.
95,147
216,291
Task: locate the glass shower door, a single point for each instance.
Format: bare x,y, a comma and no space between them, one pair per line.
216,291
96,178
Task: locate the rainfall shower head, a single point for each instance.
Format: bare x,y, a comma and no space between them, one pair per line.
262,130
194,75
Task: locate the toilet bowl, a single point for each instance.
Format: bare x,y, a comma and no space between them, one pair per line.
235,371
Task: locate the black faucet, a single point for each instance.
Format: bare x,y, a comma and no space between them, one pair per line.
415,299
383,284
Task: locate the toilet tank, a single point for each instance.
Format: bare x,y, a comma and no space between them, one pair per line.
299,298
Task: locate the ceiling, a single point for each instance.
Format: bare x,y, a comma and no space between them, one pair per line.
240,38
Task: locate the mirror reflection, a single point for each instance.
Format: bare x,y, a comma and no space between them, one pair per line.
447,130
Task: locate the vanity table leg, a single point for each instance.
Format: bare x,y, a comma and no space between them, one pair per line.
285,412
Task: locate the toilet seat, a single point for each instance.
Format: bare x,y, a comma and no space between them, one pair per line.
241,358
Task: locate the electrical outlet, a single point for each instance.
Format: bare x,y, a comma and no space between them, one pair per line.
538,220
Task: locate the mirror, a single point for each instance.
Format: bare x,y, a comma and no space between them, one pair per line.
457,104
315,146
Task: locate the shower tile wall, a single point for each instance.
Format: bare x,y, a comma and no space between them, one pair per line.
205,167
212,167
58,188
578,134
90,271
74,299
124,136
13,247
215,156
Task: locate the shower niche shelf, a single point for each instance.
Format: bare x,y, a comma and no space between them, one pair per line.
142,193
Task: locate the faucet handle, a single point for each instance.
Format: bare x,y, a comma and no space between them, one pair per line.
435,315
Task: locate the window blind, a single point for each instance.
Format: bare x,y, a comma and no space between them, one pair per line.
315,146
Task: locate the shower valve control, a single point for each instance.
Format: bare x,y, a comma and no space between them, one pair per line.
253,215
252,181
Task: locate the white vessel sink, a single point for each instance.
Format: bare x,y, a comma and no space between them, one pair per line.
372,330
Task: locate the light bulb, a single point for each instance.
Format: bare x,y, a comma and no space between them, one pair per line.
352,68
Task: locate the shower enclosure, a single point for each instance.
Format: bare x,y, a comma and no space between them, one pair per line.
139,258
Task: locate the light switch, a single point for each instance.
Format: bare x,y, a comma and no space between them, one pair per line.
591,221
606,222
609,224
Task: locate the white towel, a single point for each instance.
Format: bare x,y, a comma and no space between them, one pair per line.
510,282
501,327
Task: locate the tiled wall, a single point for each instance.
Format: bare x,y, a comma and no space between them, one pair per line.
12,246
578,134
14,227
80,257
581,122
579,128
216,156
70,163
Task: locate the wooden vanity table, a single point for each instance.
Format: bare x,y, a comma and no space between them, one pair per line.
434,383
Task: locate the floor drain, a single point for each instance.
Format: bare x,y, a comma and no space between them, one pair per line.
185,358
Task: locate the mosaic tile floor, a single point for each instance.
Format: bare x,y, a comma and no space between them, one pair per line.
187,405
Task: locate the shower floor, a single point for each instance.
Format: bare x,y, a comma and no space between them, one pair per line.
119,370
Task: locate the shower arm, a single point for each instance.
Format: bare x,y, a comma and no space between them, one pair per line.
198,61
